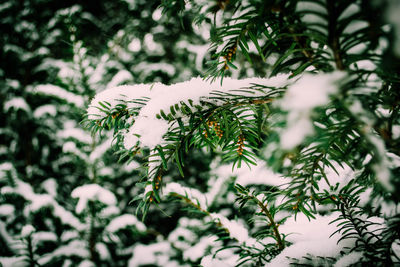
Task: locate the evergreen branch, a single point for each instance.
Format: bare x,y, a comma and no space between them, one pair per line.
244,196
188,201
281,244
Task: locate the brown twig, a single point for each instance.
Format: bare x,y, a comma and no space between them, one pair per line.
281,244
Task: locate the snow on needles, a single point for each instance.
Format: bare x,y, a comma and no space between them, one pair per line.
301,98
92,192
27,230
307,93
310,238
38,201
16,103
123,221
235,228
49,89
147,129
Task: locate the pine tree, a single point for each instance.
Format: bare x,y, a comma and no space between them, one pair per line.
324,117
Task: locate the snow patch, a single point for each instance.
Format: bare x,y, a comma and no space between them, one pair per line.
194,195
121,77
307,93
198,250
56,91
134,45
16,103
75,133
157,253
225,258
6,210
236,230
45,110
349,259
310,237
27,230
92,192
124,221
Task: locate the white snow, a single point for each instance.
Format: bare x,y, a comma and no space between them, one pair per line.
12,261
70,147
124,221
121,77
75,133
27,230
396,250
44,110
110,211
193,194
151,130
151,45
99,71
146,68
310,237
215,186
42,200
157,253
349,259
297,131
260,174
235,228
198,250
15,84
86,263
342,177
16,103
134,45
308,92
50,185
360,113
56,91
44,236
69,235
363,64
114,96
92,192
355,25
199,50
157,14
149,136
103,251
6,209
225,258
100,150
73,248
6,166
133,165
182,238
